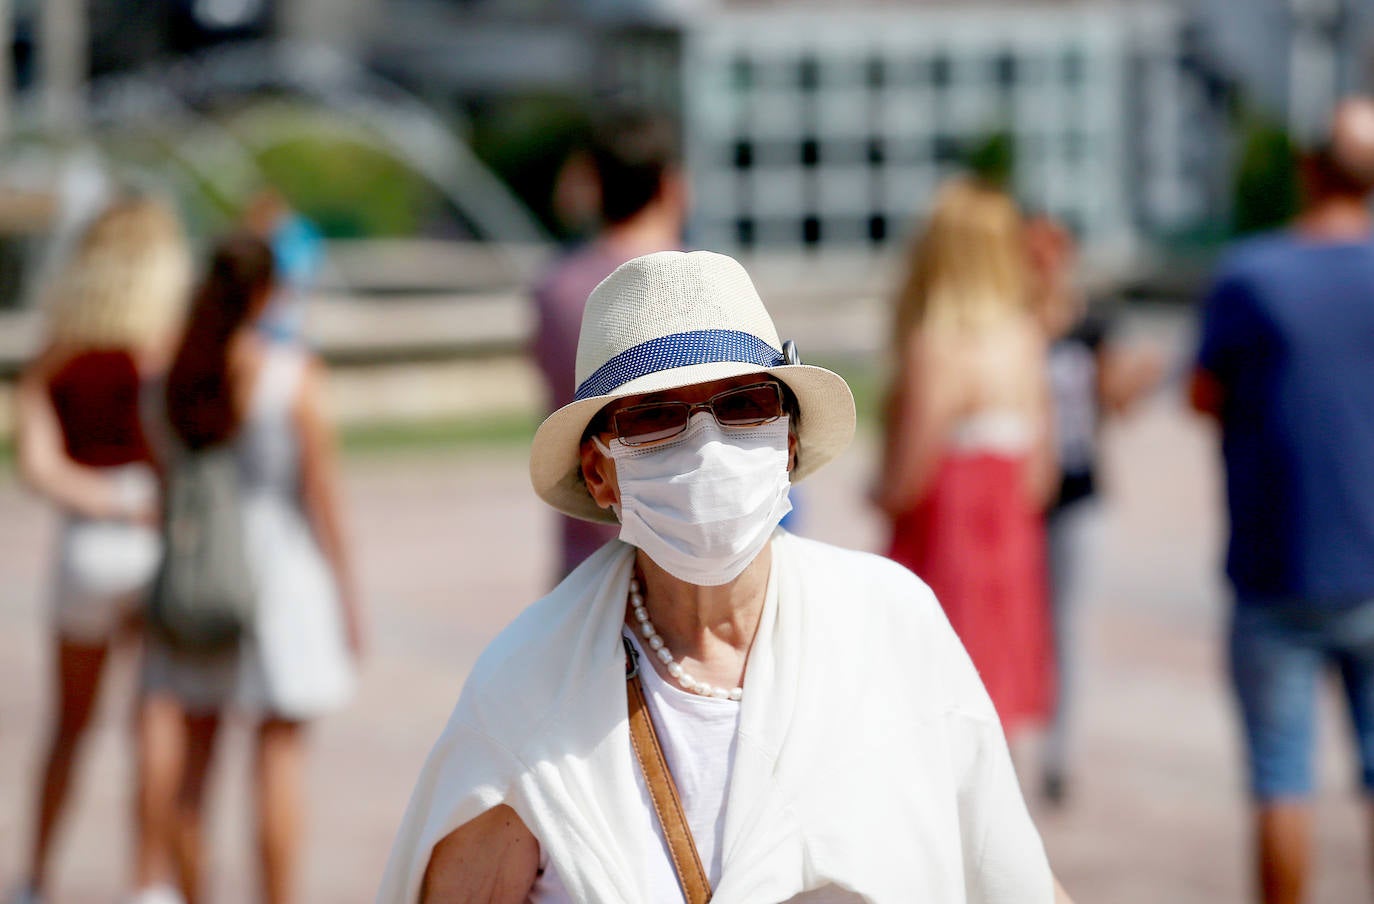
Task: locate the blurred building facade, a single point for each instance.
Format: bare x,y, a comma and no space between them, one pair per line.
1291,58
813,124
810,128
819,126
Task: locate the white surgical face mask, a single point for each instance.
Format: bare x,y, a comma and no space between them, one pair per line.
703,504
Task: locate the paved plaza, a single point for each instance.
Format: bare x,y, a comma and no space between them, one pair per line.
451,545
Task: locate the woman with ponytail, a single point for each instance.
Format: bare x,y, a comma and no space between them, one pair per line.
227,385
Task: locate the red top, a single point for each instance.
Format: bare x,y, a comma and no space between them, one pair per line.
96,397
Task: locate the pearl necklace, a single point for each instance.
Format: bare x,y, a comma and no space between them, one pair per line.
646,627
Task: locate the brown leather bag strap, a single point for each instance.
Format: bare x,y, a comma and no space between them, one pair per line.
696,887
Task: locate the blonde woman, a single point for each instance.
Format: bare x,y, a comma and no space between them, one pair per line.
967,463
113,312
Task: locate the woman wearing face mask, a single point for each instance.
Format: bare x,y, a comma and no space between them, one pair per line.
708,707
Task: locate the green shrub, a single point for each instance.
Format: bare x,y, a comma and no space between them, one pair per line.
525,141
350,190
994,159
1267,192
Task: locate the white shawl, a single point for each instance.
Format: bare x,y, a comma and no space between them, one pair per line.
869,759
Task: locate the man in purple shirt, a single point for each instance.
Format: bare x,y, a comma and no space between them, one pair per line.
643,207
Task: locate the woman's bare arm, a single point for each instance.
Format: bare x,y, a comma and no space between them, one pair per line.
42,453
920,409
494,859
320,496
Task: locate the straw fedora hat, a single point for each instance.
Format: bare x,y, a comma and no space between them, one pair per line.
674,319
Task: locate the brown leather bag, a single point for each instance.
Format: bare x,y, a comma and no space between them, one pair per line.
696,887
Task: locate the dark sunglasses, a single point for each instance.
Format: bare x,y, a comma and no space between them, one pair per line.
743,406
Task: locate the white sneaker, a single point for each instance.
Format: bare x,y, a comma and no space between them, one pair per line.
155,894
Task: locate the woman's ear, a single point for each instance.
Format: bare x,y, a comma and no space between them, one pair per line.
598,473
791,450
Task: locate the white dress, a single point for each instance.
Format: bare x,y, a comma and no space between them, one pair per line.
295,663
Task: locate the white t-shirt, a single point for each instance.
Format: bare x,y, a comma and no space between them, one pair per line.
698,736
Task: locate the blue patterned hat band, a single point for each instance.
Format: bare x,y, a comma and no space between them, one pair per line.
678,350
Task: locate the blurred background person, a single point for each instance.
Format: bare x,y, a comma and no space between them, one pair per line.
967,462
298,255
1286,366
643,201
1092,376
228,384
113,312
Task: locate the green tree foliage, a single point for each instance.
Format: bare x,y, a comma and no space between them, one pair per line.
994,160
1267,188
525,140
348,189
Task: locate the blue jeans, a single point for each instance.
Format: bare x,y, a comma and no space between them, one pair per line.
1279,651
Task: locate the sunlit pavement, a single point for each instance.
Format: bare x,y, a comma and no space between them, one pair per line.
449,547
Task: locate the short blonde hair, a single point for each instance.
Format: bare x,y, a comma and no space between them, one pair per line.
968,265
127,280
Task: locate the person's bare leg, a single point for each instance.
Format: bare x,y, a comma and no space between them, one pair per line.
1284,846
161,734
189,847
280,806
78,678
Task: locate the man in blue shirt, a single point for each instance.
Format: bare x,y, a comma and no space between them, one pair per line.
1286,366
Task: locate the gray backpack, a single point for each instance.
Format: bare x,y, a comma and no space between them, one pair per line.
203,599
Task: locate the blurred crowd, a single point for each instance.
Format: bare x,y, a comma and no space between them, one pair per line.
174,416
176,421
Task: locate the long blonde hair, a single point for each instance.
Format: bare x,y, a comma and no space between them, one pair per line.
126,282
968,266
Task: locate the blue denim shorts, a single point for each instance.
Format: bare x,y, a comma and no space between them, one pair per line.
1279,654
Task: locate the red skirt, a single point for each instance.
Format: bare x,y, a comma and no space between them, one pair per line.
980,544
